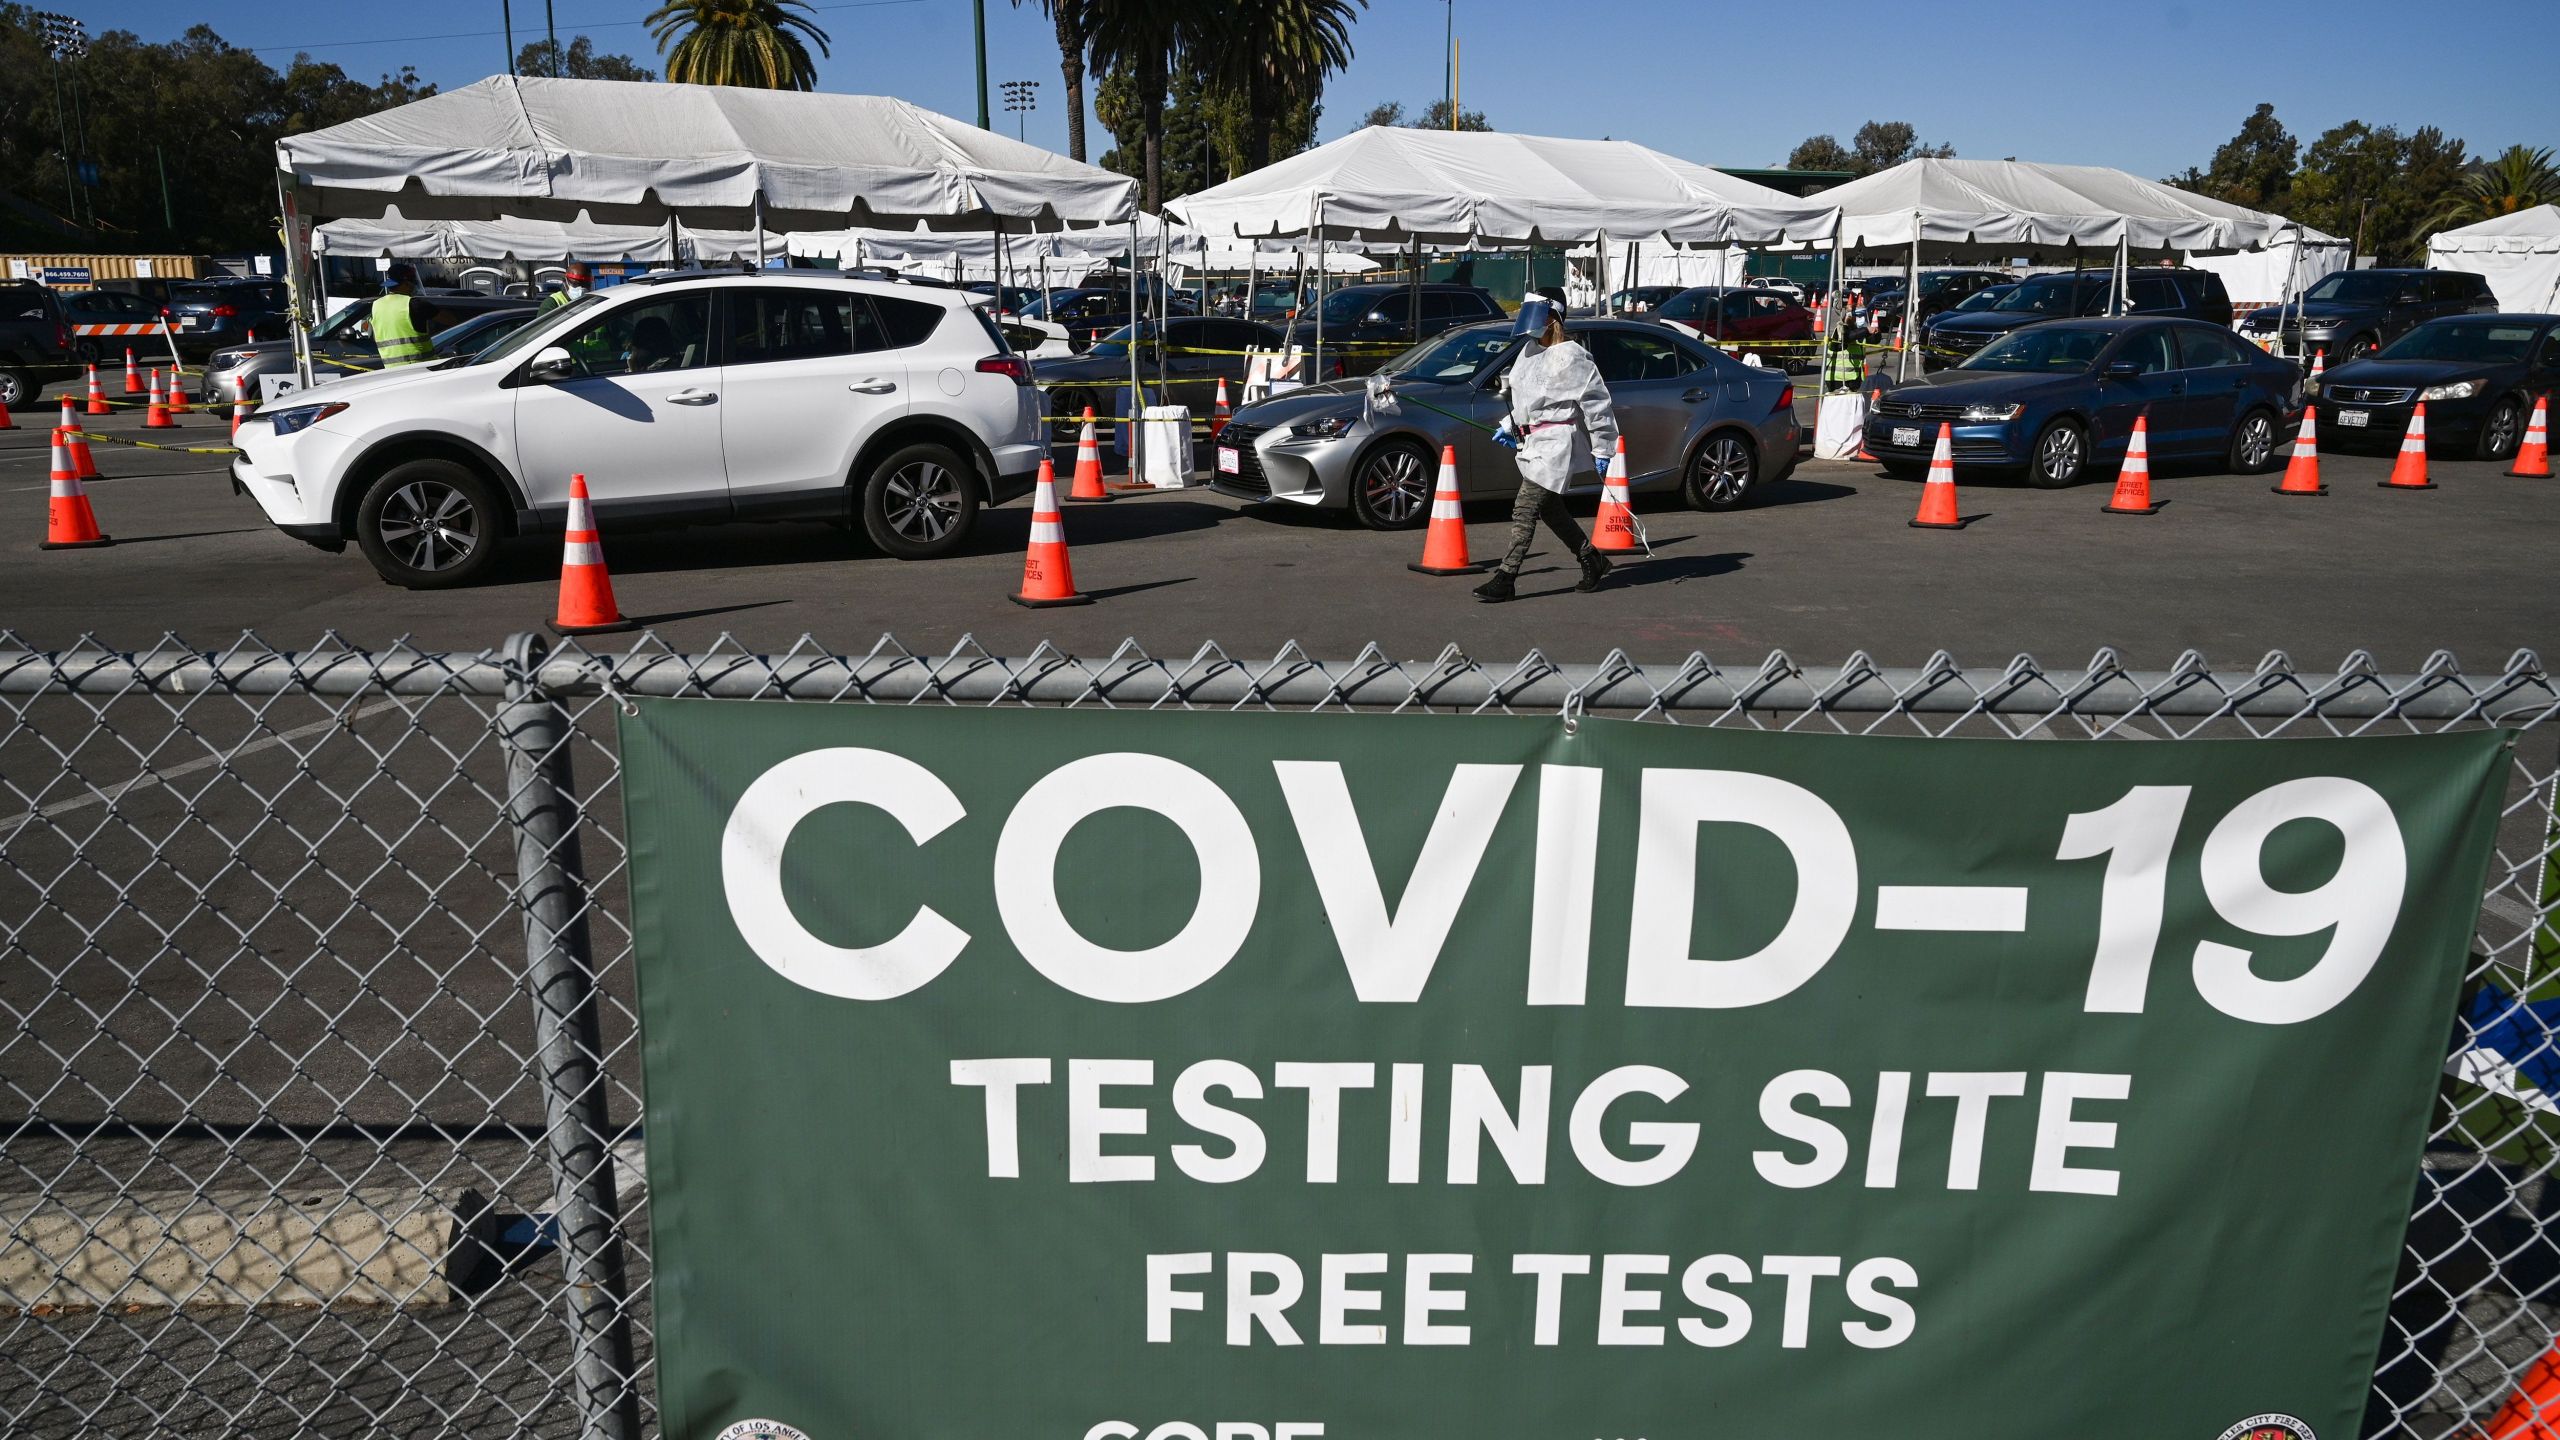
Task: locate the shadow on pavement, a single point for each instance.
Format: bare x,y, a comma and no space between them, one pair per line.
1118,590
1799,491
669,617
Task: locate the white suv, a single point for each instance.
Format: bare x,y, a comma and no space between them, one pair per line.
692,395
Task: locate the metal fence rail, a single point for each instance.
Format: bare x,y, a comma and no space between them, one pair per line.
319,1092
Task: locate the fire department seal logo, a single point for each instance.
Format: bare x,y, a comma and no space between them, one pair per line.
2269,1427
776,1430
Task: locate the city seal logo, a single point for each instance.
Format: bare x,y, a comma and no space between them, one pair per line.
776,1430
2269,1427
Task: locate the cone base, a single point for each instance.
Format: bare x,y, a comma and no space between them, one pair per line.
97,410
617,623
2129,509
1935,524
1029,603
1621,546
2399,485
2541,474
1103,498
2281,490
75,544
1472,567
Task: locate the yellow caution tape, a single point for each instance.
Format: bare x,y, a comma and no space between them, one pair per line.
148,445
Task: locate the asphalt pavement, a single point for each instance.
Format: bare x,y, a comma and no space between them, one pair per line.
1823,567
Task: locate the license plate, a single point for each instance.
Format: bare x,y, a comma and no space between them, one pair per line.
1227,462
2355,418
1906,434
186,322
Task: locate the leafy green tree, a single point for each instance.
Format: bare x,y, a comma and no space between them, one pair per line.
2253,168
1274,56
1434,116
2518,178
762,44
1072,21
1139,39
1822,152
2376,186
1883,144
579,61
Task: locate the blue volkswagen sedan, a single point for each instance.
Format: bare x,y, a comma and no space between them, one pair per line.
2056,399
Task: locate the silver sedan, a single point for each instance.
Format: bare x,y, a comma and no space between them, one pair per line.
1696,421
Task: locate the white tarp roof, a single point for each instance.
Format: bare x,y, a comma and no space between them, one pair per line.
634,152
933,252
1389,185
2274,275
398,237
2519,253
2008,207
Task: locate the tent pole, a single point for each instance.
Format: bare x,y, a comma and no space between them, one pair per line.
759,217
297,269
1130,422
1317,375
1600,259
1910,301
1833,314
1413,293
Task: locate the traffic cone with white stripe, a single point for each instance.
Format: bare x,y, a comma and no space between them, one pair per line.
6,423
239,416
83,463
1938,496
177,391
2133,480
132,375
1218,417
2319,366
2409,470
1088,485
69,523
1444,544
586,591
2533,457
1047,579
1615,526
2302,472
158,417
97,397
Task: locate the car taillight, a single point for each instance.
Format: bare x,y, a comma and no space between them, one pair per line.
1009,365
164,313
225,312
61,336
1786,400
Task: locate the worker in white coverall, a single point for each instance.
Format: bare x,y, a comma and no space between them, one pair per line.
1556,393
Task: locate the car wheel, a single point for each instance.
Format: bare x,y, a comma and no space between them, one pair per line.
2253,444
2499,433
2361,346
1723,475
1391,486
919,503
17,389
2061,453
1069,405
429,525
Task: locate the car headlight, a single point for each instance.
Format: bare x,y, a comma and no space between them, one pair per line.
1987,414
1330,427
2316,325
302,417
2259,322
2459,390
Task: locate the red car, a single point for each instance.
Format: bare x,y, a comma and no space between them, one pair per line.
1738,317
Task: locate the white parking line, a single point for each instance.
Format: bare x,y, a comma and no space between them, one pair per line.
189,767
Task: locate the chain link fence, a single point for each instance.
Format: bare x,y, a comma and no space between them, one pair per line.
320,1090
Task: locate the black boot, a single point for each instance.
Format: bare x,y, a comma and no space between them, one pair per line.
1496,589
1595,568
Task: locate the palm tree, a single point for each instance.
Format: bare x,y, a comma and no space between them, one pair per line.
1074,22
1139,37
2519,179
1272,51
738,42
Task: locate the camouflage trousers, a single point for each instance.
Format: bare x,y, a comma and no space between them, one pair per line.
1533,504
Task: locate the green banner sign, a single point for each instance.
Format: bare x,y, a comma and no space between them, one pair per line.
1156,1076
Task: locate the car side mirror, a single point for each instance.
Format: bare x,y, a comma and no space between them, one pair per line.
2123,369
1374,317
550,366
2405,297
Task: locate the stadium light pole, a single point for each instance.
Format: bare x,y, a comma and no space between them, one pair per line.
1021,97
978,11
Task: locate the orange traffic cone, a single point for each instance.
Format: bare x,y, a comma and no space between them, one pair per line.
97,397
2533,457
158,417
1615,526
1444,545
5,422
239,415
1218,417
177,391
83,463
2319,364
1047,579
1938,496
2302,472
132,376
2133,480
69,523
2409,471
2532,1410
586,590
1088,485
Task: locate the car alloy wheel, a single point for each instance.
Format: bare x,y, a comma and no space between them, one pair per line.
2060,454
1392,488
2498,436
1721,475
2257,443
2362,346
921,501
429,526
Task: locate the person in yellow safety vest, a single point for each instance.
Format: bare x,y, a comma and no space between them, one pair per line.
573,285
402,322
1846,366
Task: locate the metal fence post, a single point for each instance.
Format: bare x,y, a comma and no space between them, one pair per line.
551,888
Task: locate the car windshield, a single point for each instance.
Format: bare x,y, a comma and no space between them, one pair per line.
2043,349
1451,357
1689,306
477,333
1984,298
2057,296
547,323
2355,287
338,326
2486,342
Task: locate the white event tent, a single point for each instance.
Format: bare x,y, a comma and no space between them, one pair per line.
643,153
2520,254
394,236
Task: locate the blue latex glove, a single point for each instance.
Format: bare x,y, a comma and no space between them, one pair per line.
1507,438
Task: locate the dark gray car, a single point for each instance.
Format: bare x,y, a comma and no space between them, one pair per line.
1199,351
1697,422
2353,313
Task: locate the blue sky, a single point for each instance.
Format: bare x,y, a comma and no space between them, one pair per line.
2151,89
